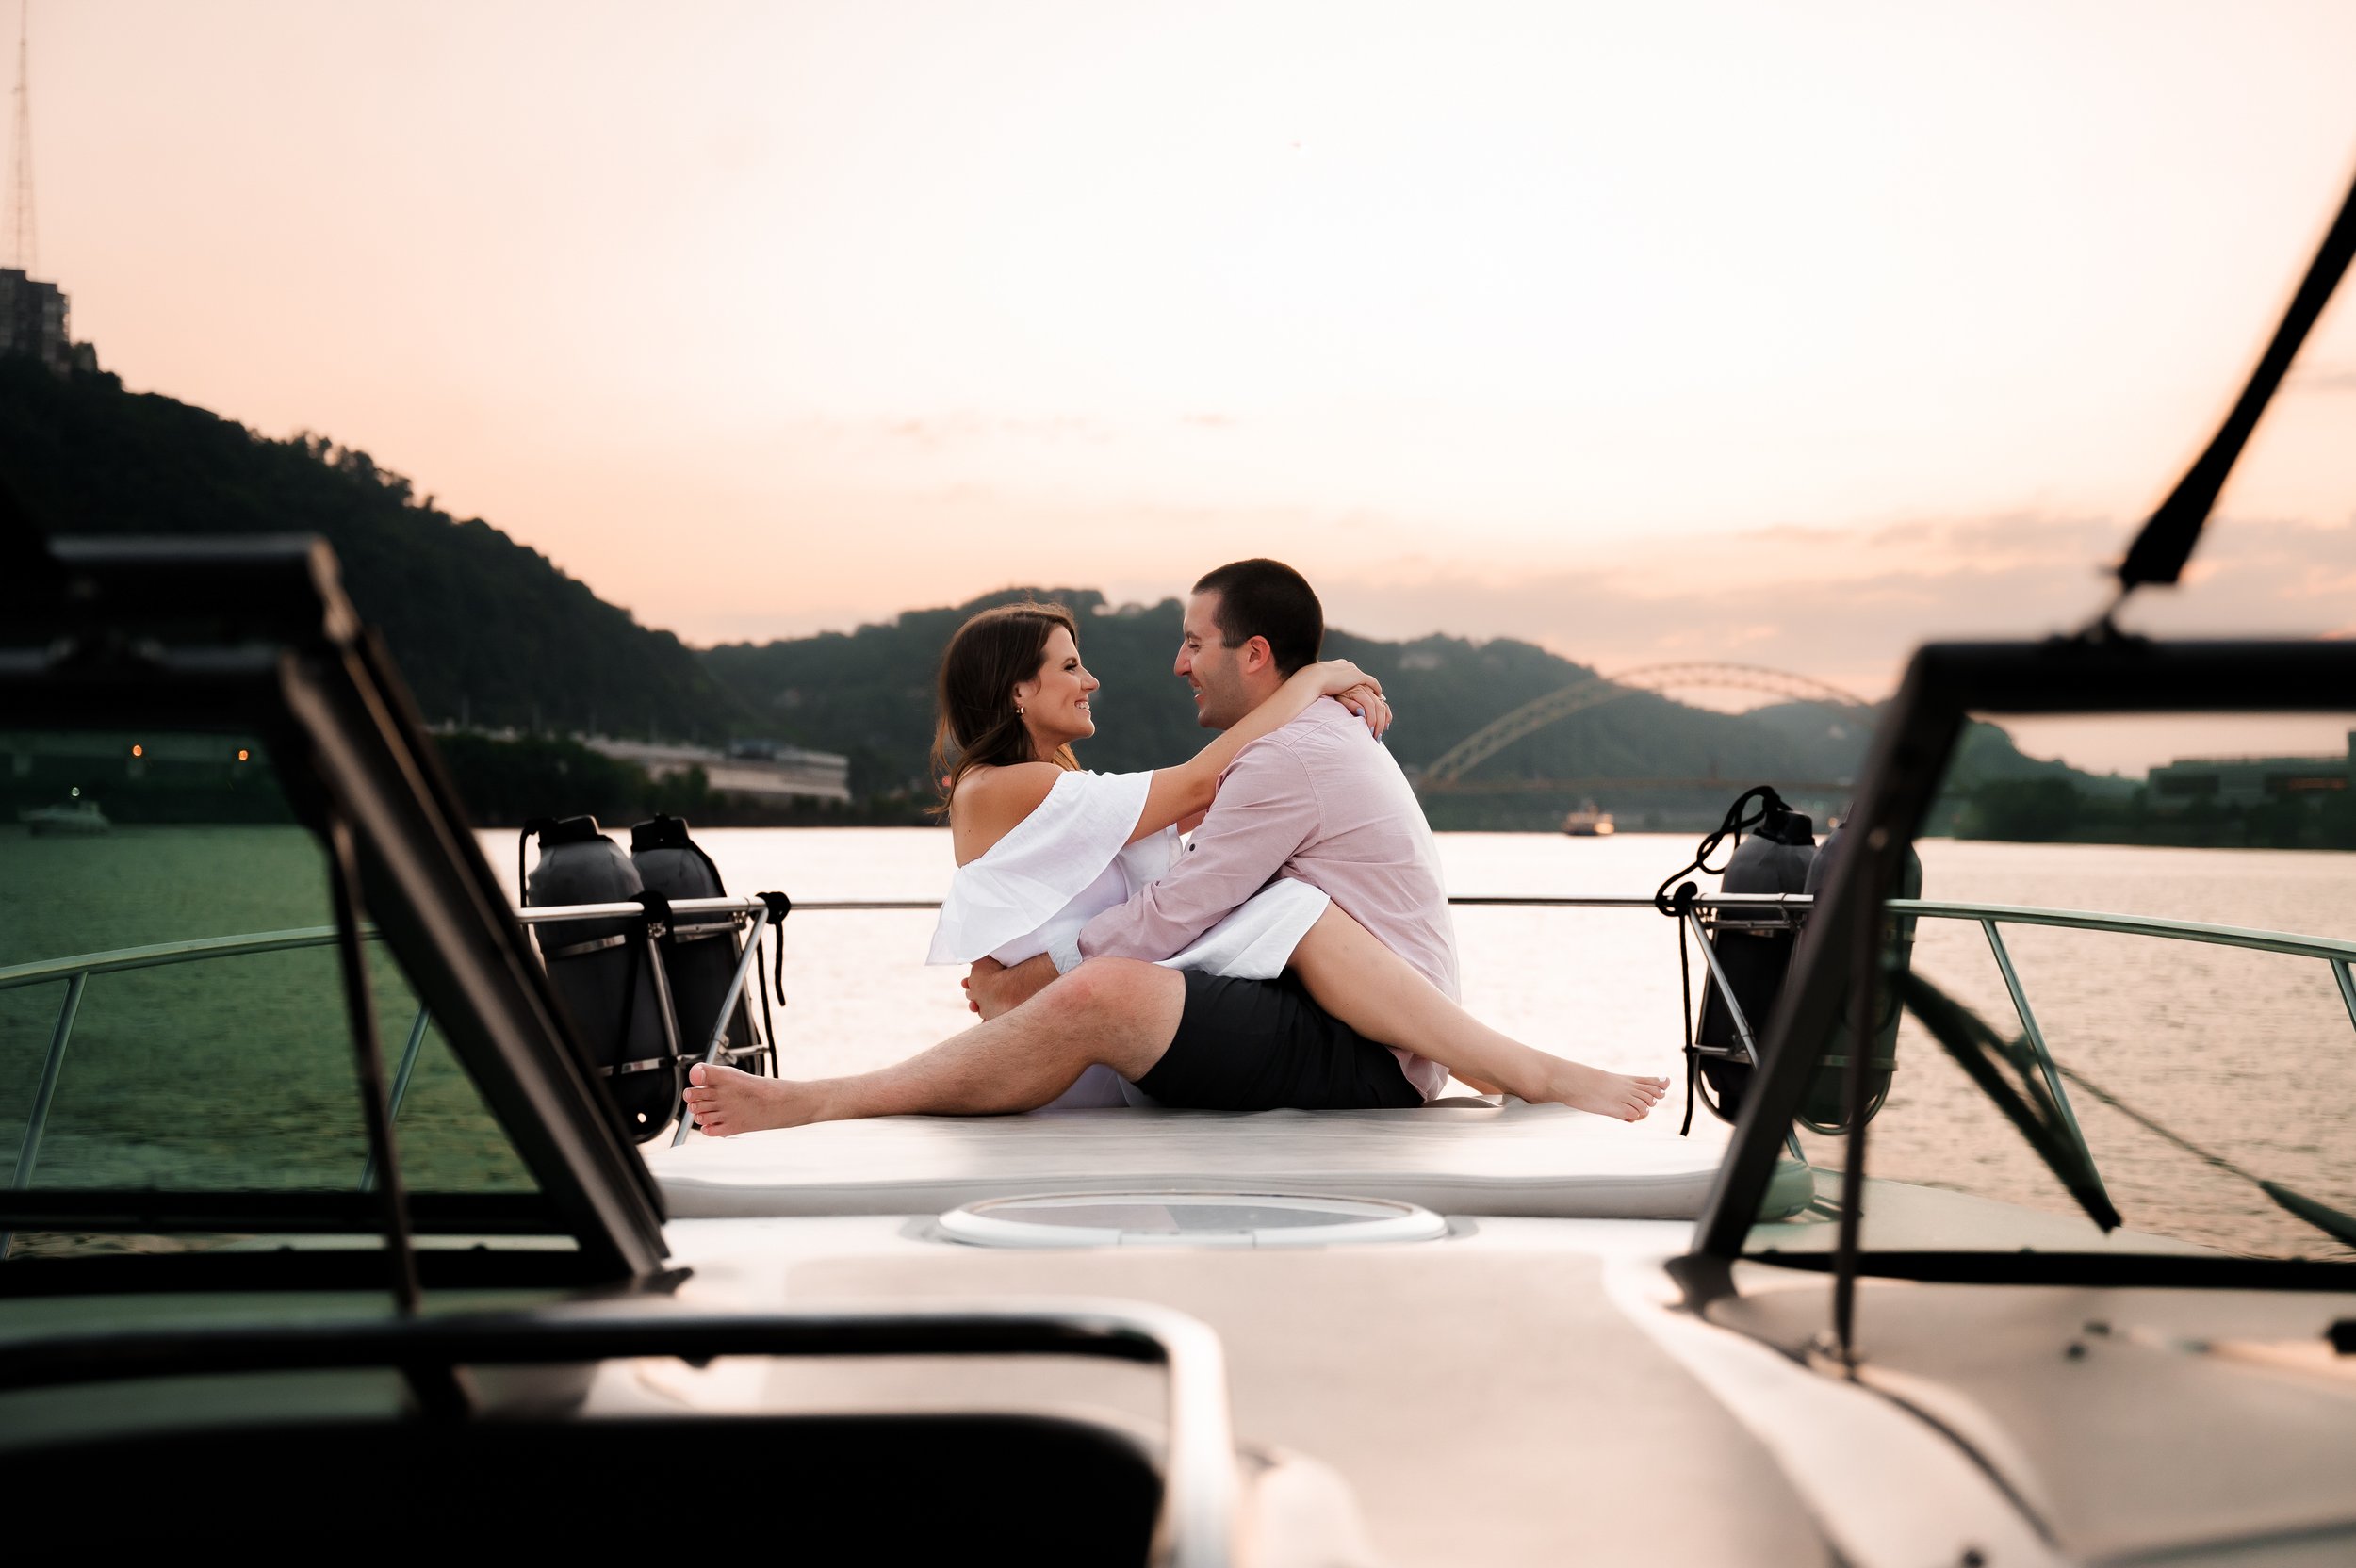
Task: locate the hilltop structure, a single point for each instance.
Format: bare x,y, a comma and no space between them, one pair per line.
33,321
32,312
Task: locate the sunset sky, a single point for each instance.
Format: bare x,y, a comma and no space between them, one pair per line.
1789,334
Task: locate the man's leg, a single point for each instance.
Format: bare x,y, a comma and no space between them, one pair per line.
1117,1011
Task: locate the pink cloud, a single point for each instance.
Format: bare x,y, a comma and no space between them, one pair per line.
1850,612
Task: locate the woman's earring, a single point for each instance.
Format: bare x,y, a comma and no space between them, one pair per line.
1018,709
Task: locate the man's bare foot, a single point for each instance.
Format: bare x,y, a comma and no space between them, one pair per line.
1621,1096
727,1100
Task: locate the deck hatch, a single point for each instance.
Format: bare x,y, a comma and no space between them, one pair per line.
1188,1219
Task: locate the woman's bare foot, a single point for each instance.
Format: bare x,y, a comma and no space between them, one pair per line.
727,1100
1620,1095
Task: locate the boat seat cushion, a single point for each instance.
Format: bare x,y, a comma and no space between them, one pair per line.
1476,1158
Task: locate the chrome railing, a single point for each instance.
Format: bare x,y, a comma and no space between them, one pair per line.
75,972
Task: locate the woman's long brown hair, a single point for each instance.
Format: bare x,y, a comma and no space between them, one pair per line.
990,654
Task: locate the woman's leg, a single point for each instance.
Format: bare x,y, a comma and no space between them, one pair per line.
1113,1011
1381,995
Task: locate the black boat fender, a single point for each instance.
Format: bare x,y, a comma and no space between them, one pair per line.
601,970
1752,947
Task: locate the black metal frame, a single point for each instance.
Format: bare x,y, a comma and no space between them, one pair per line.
255,636
1944,684
1194,1522
291,1270
565,1335
2099,671
2122,1270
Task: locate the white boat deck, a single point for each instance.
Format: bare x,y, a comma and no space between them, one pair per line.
1476,1399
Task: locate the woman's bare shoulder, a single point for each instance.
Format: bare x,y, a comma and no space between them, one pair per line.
989,802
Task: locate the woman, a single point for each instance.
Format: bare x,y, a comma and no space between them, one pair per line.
1042,846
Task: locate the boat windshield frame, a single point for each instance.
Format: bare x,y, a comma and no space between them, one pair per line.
256,636
1945,685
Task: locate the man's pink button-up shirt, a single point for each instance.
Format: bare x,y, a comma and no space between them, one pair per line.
1322,801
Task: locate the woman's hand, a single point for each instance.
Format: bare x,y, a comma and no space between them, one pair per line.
1358,692
1336,676
1370,704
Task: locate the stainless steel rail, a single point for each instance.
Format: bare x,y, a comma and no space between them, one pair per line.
537,913
719,1039
76,971
2036,1038
1742,1035
166,953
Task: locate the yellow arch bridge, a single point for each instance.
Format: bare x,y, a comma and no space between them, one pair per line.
1447,772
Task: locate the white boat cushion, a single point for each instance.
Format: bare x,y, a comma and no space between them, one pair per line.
1469,1157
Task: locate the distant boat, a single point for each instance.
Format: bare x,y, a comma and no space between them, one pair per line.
82,817
1588,822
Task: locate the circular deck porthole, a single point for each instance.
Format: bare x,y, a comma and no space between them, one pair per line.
1188,1219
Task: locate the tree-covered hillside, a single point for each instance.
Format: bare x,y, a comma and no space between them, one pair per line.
868,694
482,626
488,631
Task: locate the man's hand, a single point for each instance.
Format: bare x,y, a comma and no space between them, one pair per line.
991,989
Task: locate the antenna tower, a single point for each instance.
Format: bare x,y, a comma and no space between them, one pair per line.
21,192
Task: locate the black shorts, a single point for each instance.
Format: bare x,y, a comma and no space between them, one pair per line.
1262,1045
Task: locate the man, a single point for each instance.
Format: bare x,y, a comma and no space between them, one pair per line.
1318,800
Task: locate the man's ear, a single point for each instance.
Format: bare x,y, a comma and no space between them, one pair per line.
1257,655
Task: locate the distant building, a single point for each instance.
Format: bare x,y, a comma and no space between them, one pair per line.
2250,781
32,321
758,769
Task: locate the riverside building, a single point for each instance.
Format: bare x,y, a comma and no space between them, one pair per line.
2252,780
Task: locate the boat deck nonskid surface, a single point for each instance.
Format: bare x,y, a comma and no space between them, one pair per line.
1481,1397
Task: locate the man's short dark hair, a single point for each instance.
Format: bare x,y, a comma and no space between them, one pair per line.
1268,598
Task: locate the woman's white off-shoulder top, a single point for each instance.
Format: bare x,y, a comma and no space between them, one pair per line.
1070,859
